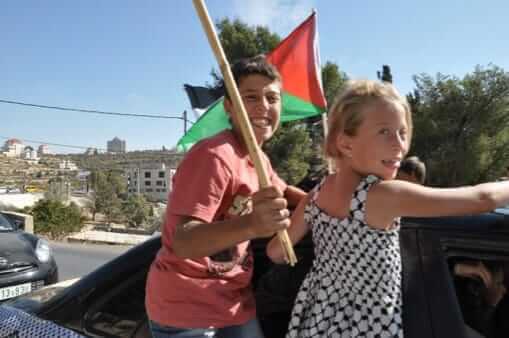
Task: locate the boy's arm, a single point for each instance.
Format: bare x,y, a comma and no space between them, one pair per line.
195,238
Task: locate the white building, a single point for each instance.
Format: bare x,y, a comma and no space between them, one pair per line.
43,150
153,180
67,165
30,154
116,145
13,148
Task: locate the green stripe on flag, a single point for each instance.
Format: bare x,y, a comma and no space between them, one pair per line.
295,108
215,119
210,123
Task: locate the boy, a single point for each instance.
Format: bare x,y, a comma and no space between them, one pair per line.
412,169
199,283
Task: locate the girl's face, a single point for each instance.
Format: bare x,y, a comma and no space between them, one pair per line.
381,141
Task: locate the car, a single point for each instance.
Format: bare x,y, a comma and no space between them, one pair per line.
26,261
109,302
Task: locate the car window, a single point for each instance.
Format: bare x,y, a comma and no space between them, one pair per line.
481,283
121,311
5,225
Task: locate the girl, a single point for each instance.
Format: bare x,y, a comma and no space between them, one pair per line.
354,286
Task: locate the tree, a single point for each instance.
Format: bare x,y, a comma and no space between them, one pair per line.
461,125
58,189
240,40
136,210
107,187
386,75
291,162
333,80
55,218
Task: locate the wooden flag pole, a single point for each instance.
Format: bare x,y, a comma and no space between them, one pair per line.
245,126
325,126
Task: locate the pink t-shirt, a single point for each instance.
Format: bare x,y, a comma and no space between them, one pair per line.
213,182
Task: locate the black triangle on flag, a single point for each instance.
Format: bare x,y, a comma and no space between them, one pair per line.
200,97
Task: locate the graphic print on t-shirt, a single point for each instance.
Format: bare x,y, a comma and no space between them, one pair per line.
227,259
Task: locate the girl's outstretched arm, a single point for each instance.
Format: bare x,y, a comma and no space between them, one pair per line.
297,230
390,199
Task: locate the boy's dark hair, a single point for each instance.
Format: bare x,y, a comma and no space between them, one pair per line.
415,167
256,65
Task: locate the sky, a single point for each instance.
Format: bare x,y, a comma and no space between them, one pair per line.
134,57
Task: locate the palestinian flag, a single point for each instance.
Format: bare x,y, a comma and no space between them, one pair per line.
298,62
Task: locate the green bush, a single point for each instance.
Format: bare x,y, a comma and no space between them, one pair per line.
55,219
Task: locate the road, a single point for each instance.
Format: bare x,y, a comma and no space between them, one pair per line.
78,259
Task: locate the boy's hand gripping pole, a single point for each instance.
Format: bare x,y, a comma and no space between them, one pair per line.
245,126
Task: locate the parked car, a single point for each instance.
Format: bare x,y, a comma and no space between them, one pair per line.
26,261
109,302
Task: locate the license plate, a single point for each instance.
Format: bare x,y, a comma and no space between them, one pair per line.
14,291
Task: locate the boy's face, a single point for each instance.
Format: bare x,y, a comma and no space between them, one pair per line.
262,99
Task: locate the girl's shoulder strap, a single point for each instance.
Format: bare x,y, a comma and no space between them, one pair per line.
358,202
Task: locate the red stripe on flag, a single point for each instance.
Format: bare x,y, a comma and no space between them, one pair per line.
295,58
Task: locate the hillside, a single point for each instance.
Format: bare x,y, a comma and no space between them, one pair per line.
19,173
16,173
123,160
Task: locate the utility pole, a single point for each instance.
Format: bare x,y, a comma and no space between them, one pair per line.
185,121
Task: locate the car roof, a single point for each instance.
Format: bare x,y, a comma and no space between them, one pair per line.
486,222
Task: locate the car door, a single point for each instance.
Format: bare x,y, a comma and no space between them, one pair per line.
437,243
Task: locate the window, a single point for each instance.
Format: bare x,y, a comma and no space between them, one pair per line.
161,174
148,190
148,183
147,174
160,183
120,312
480,283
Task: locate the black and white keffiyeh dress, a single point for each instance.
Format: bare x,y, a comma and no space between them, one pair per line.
354,286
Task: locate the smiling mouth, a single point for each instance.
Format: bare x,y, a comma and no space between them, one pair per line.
392,163
260,123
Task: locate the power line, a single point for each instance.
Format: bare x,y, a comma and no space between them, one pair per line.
93,111
52,144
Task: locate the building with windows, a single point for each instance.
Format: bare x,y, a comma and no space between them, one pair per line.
67,165
115,146
13,148
30,154
152,180
43,150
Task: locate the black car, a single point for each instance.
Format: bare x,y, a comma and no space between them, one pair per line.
109,302
26,261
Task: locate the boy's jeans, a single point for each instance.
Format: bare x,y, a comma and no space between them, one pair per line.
250,329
